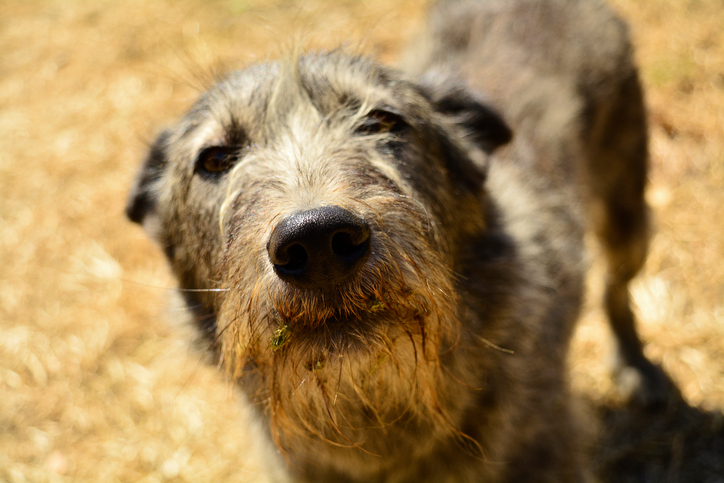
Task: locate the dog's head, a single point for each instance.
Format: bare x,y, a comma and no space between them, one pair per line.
321,203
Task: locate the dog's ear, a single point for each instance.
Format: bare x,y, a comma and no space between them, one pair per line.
480,123
143,198
474,120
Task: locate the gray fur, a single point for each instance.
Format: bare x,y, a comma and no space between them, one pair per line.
443,358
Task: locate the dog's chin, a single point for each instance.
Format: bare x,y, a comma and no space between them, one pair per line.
348,382
360,300
349,324
341,367
276,320
359,338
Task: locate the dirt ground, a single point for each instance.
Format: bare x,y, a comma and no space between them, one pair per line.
95,382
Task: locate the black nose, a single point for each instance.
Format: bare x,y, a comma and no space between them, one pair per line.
319,248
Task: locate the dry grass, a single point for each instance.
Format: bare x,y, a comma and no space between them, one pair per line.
97,386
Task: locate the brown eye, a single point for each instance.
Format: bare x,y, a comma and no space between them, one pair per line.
217,160
381,122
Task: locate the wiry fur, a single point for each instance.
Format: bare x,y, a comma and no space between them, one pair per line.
444,357
563,75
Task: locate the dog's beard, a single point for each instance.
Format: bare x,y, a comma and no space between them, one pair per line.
349,368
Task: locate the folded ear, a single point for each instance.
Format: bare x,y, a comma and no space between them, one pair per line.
143,198
480,123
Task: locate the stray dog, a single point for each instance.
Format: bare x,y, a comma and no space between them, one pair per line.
391,264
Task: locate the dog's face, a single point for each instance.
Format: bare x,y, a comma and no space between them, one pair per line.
321,203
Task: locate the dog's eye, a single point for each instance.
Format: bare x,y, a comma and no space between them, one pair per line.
381,122
217,160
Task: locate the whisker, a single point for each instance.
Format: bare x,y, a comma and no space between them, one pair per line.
496,347
174,289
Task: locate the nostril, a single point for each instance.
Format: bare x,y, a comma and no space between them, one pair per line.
296,258
345,248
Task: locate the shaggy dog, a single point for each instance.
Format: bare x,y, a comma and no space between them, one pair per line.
390,264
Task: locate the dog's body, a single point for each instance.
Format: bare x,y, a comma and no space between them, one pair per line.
394,287
563,76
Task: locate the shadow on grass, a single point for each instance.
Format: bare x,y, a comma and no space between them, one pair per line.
671,443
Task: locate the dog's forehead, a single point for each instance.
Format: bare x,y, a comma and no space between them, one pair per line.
261,102
326,82
350,79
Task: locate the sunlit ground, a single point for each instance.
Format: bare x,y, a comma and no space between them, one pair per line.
96,384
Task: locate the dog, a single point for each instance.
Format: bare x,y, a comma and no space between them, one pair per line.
390,262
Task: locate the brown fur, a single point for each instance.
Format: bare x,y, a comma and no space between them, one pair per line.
443,357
